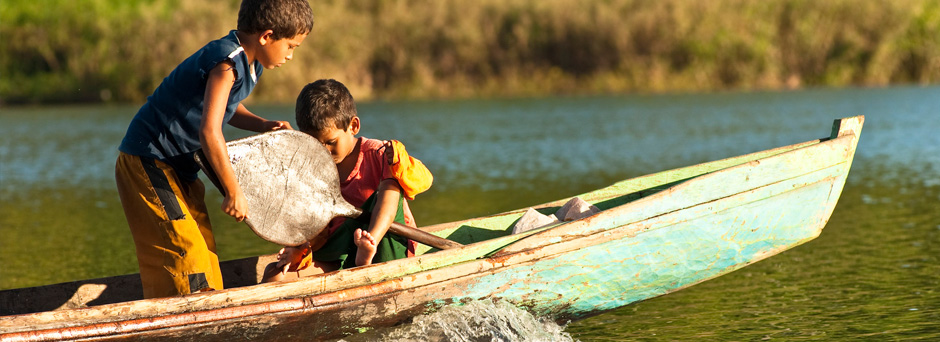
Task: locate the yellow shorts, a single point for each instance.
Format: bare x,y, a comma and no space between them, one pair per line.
170,226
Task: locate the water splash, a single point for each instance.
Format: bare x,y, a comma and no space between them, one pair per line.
472,322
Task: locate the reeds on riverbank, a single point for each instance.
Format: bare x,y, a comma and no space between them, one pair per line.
114,50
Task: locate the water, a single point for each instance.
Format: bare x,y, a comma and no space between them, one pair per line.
471,322
873,274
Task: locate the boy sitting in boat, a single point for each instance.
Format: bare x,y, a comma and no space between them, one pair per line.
377,176
156,174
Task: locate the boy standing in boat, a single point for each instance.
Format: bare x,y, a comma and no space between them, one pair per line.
156,174
375,175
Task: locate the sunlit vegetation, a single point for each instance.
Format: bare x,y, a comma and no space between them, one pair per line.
119,50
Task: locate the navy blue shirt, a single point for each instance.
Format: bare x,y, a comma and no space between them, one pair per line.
166,128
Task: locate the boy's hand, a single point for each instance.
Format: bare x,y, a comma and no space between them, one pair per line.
366,247
236,206
289,258
389,152
274,125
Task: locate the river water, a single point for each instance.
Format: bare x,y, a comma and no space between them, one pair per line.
873,274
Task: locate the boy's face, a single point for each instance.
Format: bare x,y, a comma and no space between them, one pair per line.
276,52
339,142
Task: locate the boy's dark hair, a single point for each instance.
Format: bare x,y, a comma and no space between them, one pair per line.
323,104
287,18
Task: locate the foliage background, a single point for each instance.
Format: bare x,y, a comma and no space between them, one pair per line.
119,50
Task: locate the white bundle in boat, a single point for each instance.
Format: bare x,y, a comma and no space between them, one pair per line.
575,209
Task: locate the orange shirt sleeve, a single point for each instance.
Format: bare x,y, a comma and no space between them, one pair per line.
410,172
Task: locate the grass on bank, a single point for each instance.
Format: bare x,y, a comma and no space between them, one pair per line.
113,50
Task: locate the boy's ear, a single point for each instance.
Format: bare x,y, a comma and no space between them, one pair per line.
354,125
266,37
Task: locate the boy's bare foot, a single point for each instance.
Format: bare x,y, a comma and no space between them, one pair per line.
366,247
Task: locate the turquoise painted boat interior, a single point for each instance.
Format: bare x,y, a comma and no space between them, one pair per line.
494,226
654,263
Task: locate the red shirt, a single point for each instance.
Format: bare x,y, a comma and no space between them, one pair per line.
371,168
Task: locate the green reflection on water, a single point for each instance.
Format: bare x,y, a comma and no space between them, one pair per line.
63,234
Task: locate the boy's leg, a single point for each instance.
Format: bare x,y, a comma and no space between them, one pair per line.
391,246
195,198
171,231
341,248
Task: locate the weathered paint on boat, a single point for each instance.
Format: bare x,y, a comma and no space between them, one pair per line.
656,234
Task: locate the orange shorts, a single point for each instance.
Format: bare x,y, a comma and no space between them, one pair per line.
170,226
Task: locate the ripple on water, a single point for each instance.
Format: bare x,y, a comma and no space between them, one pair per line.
482,320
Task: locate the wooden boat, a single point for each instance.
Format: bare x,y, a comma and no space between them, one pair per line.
655,234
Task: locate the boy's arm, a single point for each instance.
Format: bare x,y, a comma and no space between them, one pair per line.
246,120
218,86
386,206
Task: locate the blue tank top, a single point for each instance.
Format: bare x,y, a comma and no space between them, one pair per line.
166,128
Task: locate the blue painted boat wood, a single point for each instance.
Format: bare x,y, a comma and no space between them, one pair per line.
656,234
